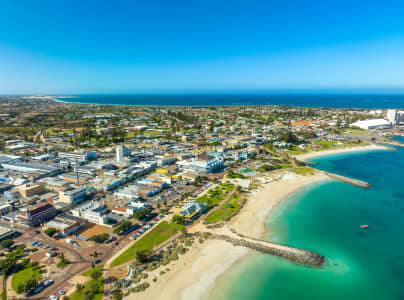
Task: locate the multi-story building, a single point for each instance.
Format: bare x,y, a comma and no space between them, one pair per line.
28,190
71,196
93,212
36,215
121,152
78,156
395,117
207,163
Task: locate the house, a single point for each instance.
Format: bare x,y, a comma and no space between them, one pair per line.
193,210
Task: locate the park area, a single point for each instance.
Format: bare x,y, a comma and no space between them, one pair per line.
30,272
214,196
227,210
158,235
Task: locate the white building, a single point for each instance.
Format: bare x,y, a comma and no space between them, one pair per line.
78,156
395,117
73,195
207,163
93,212
372,124
121,152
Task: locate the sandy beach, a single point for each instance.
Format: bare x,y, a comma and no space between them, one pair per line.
313,154
194,275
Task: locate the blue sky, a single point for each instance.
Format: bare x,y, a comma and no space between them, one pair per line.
75,46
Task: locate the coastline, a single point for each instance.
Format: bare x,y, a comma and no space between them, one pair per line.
310,155
196,273
230,99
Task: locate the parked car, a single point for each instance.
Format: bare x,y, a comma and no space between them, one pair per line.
53,297
48,283
39,289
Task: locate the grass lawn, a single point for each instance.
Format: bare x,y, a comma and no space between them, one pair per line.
153,132
297,150
227,210
357,131
286,166
304,170
22,276
324,145
89,272
213,197
158,235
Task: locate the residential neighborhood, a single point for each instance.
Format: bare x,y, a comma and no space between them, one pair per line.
80,183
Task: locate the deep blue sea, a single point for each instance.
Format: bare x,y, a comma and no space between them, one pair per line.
326,217
303,100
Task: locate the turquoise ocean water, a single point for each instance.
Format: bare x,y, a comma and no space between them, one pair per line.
325,217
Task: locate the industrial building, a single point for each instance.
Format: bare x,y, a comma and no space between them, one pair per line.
372,124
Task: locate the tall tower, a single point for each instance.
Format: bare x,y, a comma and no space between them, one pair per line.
392,116
120,153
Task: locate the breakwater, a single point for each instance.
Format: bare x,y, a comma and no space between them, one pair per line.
349,180
295,255
393,143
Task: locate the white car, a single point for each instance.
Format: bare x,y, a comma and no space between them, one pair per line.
62,292
53,297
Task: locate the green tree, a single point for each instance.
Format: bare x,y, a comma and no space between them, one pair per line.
178,219
50,231
117,294
142,213
6,244
7,265
27,286
123,226
289,137
101,238
96,274
143,255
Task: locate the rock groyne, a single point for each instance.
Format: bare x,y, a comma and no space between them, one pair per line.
349,180
296,255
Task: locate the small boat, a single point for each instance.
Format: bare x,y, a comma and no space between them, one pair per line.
364,226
